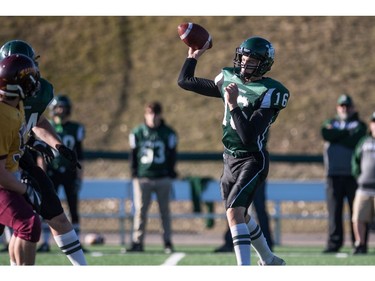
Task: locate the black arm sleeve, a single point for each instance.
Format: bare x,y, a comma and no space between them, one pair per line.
172,162
187,81
133,163
249,130
79,150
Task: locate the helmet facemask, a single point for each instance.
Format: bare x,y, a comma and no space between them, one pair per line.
19,77
61,107
31,85
60,111
256,48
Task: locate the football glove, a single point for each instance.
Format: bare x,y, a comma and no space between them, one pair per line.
69,155
27,161
42,148
32,194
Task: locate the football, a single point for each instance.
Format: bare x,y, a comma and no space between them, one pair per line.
94,239
194,35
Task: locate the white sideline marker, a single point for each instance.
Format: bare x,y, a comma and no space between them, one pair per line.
174,259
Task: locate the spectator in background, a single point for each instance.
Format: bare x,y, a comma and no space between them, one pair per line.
341,134
259,205
60,170
152,161
363,168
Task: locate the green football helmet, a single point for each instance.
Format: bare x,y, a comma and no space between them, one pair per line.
61,101
257,48
18,47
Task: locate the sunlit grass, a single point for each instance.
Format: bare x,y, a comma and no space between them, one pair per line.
200,256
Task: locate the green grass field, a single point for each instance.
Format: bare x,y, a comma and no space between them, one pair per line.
199,256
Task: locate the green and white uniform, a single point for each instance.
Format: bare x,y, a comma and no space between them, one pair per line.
153,151
245,128
61,171
152,163
245,131
72,135
36,105
264,93
34,108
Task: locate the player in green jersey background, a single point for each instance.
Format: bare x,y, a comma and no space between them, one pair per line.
152,162
59,169
252,103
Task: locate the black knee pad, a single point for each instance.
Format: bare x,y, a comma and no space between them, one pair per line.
51,204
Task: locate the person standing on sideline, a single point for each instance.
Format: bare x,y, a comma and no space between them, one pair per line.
59,169
252,103
19,197
363,169
340,134
259,205
152,162
51,208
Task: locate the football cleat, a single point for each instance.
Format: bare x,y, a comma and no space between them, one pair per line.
44,248
331,250
224,249
168,248
275,261
360,250
136,247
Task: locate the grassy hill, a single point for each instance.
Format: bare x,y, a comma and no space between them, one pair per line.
111,66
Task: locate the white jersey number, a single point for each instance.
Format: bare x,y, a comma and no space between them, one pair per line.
153,153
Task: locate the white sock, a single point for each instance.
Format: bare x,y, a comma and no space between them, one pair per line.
13,263
71,247
241,242
259,242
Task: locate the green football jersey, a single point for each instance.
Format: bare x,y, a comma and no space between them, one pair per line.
71,134
153,150
36,105
264,93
